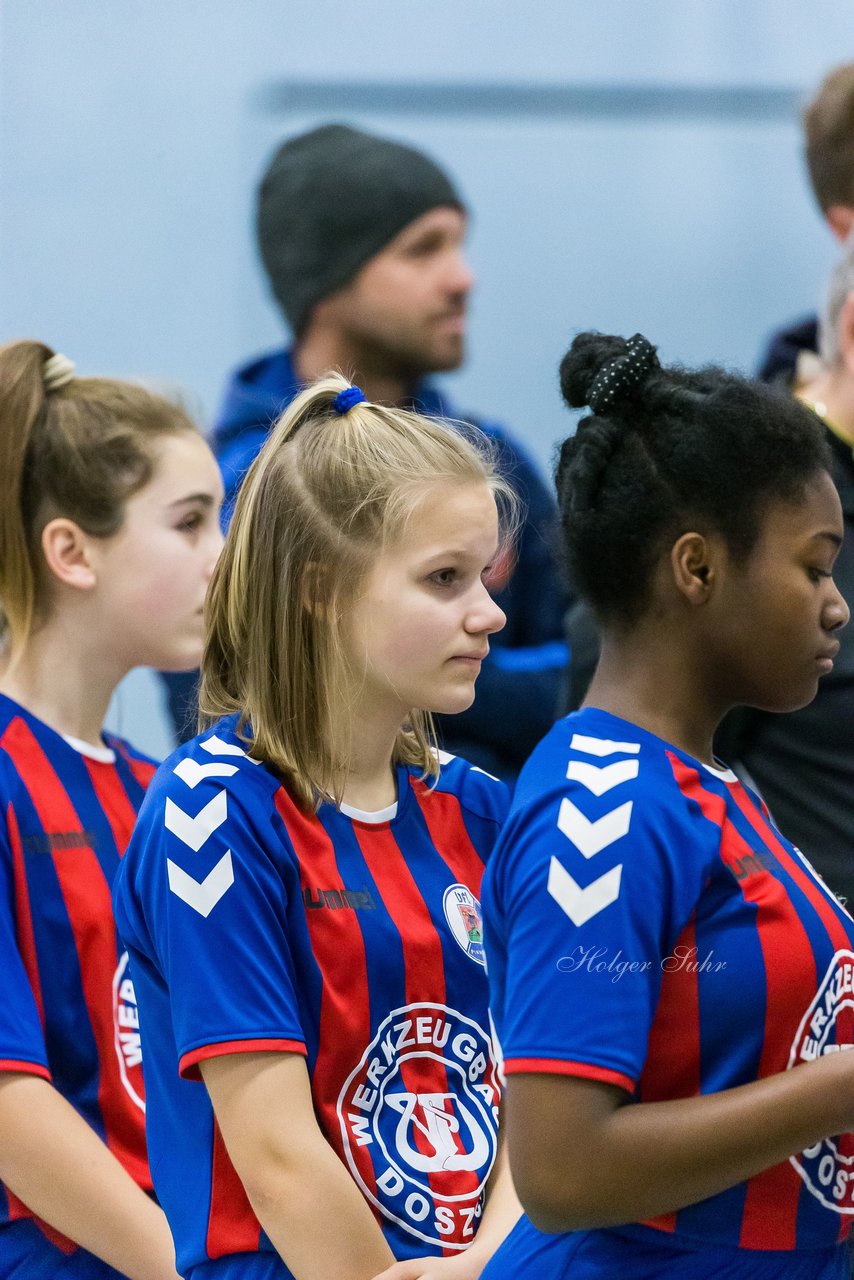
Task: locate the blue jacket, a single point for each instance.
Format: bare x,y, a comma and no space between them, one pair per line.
519,688
780,358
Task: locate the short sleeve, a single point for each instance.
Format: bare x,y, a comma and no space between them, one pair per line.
202,896
22,1044
583,901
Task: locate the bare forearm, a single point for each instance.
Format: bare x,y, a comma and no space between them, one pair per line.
63,1172
316,1217
300,1191
652,1158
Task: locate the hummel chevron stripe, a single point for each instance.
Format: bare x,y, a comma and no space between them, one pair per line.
600,778
602,746
191,772
195,831
582,904
216,747
591,837
204,896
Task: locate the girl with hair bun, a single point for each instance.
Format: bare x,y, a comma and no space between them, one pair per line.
671,981
109,502
300,898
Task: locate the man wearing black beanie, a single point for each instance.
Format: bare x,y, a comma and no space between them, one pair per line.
362,241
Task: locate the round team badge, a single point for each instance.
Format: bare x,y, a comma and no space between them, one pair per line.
419,1122
462,912
827,1168
126,1033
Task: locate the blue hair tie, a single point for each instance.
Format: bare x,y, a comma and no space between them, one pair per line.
345,399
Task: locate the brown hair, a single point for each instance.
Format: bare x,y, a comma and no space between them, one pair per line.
79,450
323,497
829,130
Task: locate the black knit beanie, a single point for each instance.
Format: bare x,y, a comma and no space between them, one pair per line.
330,200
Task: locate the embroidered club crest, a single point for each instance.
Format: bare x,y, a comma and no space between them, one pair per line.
462,912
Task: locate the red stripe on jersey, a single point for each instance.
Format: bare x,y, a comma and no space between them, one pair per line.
676,1021
23,913
339,949
27,948
784,943
232,1225
424,968
565,1067
443,818
89,907
114,801
26,1068
813,892
771,1198
188,1067
818,900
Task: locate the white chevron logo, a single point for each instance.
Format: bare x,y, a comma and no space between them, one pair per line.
582,904
204,896
217,747
591,837
195,831
602,746
600,778
191,772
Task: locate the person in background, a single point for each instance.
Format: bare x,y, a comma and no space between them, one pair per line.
300,896
109,531
362,240
670,980
790,356
802,762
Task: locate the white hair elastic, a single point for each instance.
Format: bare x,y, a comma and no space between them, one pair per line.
57,371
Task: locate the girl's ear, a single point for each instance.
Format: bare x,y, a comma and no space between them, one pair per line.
315,594
693,562
66,551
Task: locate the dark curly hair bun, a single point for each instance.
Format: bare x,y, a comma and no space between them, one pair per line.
608,372
664,450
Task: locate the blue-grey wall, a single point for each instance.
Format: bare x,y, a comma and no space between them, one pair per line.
629,167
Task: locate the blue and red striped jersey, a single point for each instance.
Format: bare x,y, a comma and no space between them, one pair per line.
252,924
68,1011
648,926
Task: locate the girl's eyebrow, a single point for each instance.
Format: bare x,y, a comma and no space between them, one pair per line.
206,499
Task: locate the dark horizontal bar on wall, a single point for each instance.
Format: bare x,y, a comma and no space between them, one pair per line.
718,102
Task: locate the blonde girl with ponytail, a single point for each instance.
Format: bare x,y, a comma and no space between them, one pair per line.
301,896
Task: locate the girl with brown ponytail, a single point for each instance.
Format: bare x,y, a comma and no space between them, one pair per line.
108,536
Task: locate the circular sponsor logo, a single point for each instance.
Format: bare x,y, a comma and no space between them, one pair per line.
419,1122
462,912
827,1167
126,1033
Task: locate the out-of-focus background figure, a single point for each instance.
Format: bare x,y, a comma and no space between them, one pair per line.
362,241
792,353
